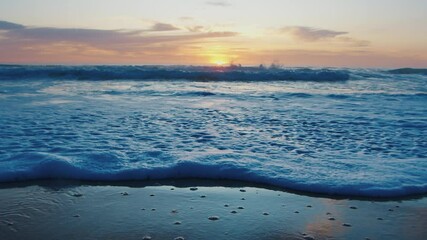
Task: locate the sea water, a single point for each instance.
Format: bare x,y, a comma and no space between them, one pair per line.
359,132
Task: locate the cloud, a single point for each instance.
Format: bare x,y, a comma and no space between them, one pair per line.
219,3
8,25
34,44
197,28
162,27
310,34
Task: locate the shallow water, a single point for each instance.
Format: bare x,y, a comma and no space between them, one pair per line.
363,136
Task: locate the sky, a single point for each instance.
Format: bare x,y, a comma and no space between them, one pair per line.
319,33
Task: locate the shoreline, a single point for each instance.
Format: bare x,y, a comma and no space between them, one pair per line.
198,209
203,182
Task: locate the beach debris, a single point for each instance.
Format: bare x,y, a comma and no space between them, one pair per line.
242,190
213,218
177,223
193,189
179,238
124,193
146,238
346,225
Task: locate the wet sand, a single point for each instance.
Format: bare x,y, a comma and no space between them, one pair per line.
195,209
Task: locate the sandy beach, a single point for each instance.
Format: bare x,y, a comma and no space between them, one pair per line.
198,209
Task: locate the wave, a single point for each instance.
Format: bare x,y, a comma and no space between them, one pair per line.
422,71
192,73
51,166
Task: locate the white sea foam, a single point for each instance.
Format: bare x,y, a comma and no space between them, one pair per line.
365,136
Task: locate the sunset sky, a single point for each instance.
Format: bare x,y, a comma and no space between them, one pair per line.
349,33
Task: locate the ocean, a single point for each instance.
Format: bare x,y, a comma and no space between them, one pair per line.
349,132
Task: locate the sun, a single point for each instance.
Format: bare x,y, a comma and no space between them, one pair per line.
220,63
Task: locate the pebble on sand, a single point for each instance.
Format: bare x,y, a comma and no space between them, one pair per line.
226,205
177,223
125,194
331,219
146,238
179,238
76,216
240,208
203,196
265,213
193,189
346,225
213,218
242,190
77,195
353,207
233,212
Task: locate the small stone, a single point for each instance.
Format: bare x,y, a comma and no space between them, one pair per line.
233,212
265,213
226,205
177,223
397,206
193,189
296,212
76,216
213,218
328,213
352,207
179,238
346,225
309,206
77,195
152,195
174,211
143,209
331,219
172,189
203,196
125,194
146,238
243,199
308,237
153,209
390,210
380,219
240,208
242,190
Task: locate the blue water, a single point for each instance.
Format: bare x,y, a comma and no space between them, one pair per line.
359,132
